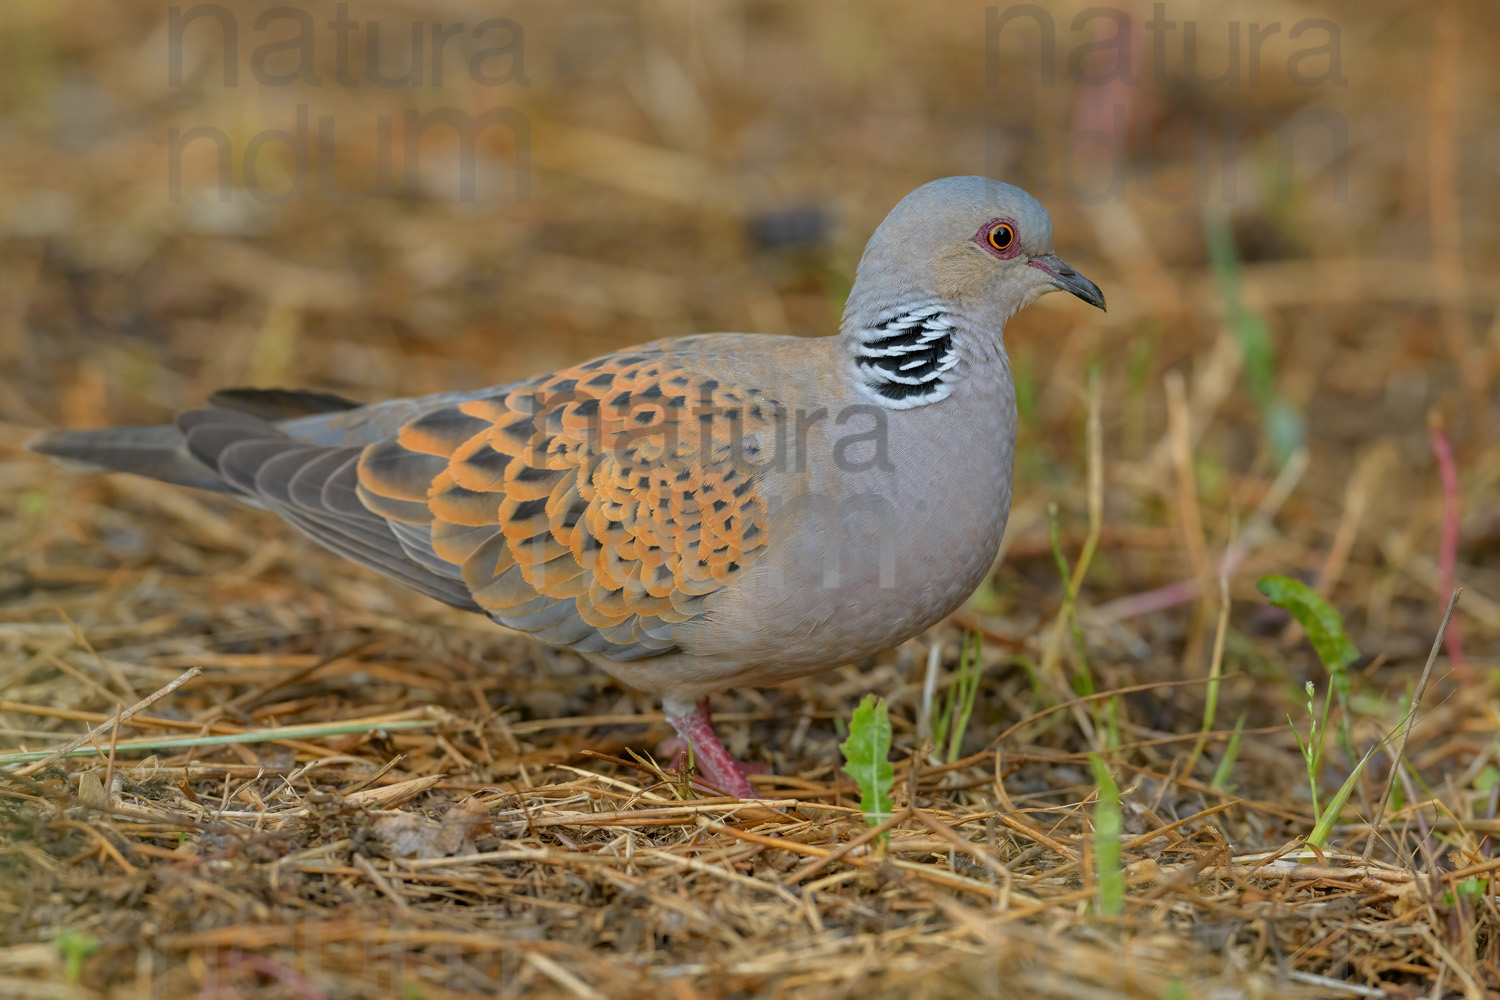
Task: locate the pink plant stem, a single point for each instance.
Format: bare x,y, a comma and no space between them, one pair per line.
1448,549
1173,594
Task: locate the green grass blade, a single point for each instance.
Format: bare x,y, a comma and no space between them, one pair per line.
1107,828
1330,814
1280,421
966,690
1231,751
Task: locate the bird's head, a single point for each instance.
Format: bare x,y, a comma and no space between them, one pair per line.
971,241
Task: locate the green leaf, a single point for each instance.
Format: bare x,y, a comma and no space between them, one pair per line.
1107,828
866,754
1324,626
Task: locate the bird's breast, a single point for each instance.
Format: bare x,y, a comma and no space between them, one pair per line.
883,522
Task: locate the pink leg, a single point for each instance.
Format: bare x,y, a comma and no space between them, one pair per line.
714,764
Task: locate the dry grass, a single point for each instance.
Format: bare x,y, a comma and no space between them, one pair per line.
486,816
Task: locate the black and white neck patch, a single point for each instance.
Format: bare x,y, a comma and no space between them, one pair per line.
903,361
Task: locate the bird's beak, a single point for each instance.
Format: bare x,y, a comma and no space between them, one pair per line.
1067,279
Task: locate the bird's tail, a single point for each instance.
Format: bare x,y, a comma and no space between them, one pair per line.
156,452
162,453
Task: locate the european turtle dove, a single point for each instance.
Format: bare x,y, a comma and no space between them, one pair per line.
691,514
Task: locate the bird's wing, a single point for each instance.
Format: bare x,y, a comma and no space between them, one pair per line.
597,507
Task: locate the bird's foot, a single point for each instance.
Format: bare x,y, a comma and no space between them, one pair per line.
715,767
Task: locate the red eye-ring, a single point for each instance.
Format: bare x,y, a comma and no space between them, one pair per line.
1002,236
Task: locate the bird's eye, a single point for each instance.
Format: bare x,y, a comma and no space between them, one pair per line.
1002,236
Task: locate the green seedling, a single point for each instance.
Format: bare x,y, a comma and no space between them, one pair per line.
75,947
1312,747
1325,630
1471,889
866,758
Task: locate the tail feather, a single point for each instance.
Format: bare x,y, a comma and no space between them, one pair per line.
281,404
158,452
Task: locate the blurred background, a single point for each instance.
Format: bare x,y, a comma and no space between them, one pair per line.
1291,208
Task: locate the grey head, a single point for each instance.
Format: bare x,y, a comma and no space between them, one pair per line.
980,245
